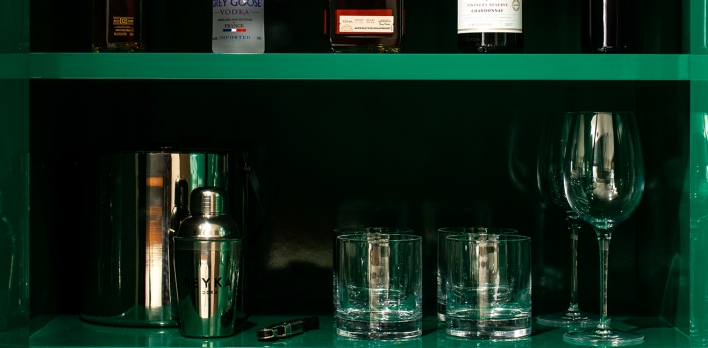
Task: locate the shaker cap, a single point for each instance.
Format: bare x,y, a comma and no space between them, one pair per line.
208,200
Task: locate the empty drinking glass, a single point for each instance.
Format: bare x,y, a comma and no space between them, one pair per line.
488,286
379,284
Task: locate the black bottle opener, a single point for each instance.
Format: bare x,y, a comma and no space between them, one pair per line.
288,328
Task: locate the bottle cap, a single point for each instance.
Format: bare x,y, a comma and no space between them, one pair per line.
208,201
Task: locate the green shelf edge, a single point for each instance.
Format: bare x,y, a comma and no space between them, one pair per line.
315,66
71,331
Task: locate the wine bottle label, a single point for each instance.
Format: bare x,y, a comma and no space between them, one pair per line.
365,22
489,16
238,26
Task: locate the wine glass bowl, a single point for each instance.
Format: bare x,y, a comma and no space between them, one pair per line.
603,176
604,188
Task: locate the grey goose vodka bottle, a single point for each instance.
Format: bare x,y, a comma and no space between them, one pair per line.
238,26
207,263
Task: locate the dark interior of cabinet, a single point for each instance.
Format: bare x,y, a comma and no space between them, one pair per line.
328,154
551,26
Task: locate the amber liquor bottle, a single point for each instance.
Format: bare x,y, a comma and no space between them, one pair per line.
118,26
490,26
364,25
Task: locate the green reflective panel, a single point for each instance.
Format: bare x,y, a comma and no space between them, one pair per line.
698,26
217,170
698,175
14,173
698,196
197,173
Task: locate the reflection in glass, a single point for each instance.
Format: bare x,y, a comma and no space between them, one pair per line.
14,239
604,181
8,271
551,155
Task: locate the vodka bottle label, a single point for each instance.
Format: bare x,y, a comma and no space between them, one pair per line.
237,26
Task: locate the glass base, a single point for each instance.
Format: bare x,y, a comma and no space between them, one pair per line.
378,330
489,328
568,319
603,337
441,311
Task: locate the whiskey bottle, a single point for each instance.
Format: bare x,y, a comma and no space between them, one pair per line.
611,26
364,25
118,26
490,26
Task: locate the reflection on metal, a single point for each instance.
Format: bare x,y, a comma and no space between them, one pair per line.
207,259
143,198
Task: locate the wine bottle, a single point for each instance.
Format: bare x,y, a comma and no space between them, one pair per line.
118,26
611,26
490,26
364,25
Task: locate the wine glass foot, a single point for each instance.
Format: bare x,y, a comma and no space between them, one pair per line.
603,338
569,319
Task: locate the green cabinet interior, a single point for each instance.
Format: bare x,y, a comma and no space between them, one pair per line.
14,173
344,140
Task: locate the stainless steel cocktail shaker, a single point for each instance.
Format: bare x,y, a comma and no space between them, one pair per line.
207,261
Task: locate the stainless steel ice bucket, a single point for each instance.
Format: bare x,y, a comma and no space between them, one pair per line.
142,197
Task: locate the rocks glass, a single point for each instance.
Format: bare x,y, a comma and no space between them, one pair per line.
442,269
488,286
379,286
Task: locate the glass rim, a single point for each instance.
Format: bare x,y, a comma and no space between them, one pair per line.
494,230
397,237
503,238
373,229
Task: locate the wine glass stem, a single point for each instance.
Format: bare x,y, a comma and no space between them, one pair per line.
574,228
603,238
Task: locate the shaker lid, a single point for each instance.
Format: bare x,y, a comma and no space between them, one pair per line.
208,200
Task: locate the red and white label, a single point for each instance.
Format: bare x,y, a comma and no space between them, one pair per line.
365,21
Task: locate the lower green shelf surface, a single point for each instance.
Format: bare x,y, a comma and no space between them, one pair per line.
71,331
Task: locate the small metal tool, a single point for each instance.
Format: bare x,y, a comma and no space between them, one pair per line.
288,328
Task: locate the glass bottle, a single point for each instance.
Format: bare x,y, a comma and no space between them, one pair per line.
611,26
238,26
364,25
118,26
494,27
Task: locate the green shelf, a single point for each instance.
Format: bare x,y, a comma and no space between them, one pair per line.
563,67
71,331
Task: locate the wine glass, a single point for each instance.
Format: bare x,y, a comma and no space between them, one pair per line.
603,176
550,182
